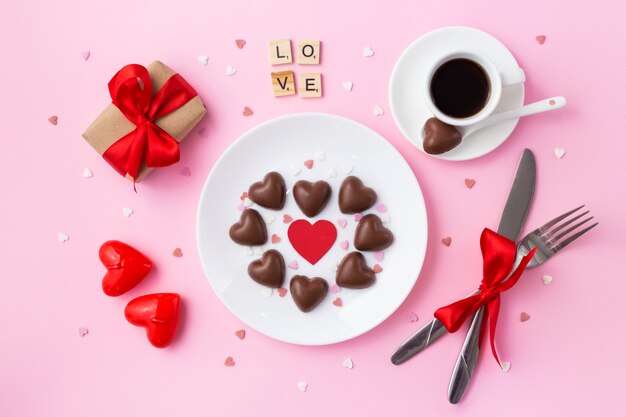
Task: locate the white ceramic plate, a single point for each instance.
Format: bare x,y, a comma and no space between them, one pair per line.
280,145
406,95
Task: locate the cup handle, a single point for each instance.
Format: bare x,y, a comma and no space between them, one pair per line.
514,77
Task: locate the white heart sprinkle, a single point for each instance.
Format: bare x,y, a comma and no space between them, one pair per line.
348,363
295,170
506,366
267,292
230,70
559,152
347,168
247,202
331,173
333,266
302,386
127,211
368,51
269,219
378,111
385,218
347,85
257,250
547,279
63,237
319,155
87,173
247,250
204,59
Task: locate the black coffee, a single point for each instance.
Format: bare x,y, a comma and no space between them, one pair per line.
460,88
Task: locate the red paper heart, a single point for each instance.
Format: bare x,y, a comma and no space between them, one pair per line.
158,313
312,241
126,266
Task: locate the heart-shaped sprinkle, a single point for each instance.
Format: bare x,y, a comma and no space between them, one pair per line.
347,85
269,270
247,202
371,235
127,211
541,39
85,55
241,334
552,102
53,120
229,361
413,317
203,59
347,363
347,168
250,230
524,316
354,196
377,268
307,293
82,331
87,173
447,241
559,152
62,237
287,219
185,172
385,218
378,111
241,207
308,163
547,279
368,51
338,302
320,155
230,70
506,366
240,43
358,217
311,197
270,192
275,238
381,208
295,170
257,250
344,245
282,292
267,292
293,265
202,131
268,218
440,137
469,183
331,173
302,386
247,111
247,251
342,223
178,253
354,273
379,255
335,288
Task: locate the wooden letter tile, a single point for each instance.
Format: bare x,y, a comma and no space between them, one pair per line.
283,83
308,52
310,84
280,52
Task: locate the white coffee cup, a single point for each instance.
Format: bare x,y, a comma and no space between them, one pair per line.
496,79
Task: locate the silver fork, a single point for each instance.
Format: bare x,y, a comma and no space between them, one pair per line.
549,239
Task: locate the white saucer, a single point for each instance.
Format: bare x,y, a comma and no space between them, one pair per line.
277,145
406,95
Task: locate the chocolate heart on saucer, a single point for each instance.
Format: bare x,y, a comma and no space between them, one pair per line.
250,230
311,197
354,273
269,193
269,270
440,137
371,235
354,197
307,293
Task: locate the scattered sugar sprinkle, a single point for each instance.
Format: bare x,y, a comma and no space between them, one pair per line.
547,279
344,245
338,302
293,265
87,173
348,364
559,152
413,317
178,253
379,256
469,183
347,168
287,218
240,43
241,334
247,202
333,266
203,59
82,331
381,208
309,163
257,250
281,292
447,240
524,316
358,217
347,85
342,223
185,172
320,155
269,218
127,211
377,269
335,288
230,70
385,218
267,292
378,111
85,55
331,173
506,366
62,237
541,39
295,170
247,250
276,238
229,361
368,52
53,120
302,386
247,111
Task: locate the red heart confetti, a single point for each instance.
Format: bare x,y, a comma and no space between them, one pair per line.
178,253
282,292
275,238
53,120
469,183
541,39
377,268
287,218
247,111
240,43
312,241
446,241
240,334
229,361
308,163
524,317
552,102
243,196
358,217
185,172
338,302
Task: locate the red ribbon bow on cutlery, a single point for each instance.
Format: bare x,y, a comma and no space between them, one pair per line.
131,92
498,260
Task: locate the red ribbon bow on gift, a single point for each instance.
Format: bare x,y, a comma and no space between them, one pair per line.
131,92
498,260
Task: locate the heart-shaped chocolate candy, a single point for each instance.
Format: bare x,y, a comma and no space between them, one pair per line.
269,270
354,197
250,230
307,293
311,197
440,137
371,234
353,272
269,193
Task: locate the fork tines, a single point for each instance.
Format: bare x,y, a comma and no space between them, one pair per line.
548,232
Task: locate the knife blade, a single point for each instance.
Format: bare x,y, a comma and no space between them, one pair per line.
513,217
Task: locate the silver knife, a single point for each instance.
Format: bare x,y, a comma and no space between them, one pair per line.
431,332
511,222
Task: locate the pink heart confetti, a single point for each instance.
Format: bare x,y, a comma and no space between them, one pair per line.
178,253
381,208
447,241
53,120
338,302
469,183
287,218
275,238
335,289
202,131
247,111
552,102
241,207
293,265
229,361
240,334
282,292
377,268
240,43
82,331
541,39
524,317
185,172
413,317
379,256
342,223
358,217
308,163
243,196
344,245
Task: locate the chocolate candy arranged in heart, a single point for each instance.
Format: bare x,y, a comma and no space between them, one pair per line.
354,197
307,292
371,235
354,273
311,197
250,230
269,193
269,270
440,137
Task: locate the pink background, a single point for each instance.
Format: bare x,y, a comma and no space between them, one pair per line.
568,359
